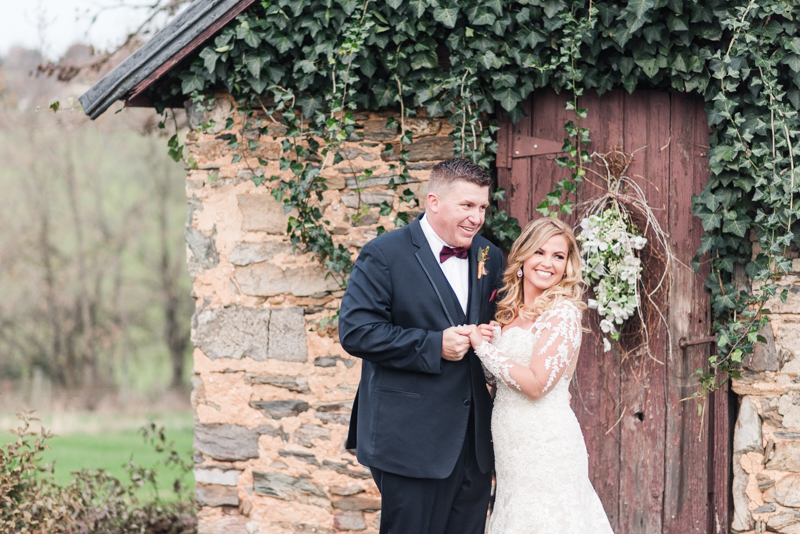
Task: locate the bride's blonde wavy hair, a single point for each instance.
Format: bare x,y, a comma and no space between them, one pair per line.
533,237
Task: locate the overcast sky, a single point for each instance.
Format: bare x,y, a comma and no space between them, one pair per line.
65,22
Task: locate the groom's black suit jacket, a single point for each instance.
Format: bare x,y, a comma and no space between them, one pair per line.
412,407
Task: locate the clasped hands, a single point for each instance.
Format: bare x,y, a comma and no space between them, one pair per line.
457,340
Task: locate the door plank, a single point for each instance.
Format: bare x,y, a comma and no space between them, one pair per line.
687,463
520,191
548,116
503,156
595,388
643,381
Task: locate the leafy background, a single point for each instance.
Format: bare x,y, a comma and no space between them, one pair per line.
467,60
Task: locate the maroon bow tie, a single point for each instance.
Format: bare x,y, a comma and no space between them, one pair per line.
449,252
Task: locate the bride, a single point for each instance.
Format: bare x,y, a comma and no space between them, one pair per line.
541,460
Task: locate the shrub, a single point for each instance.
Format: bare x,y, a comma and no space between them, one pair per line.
94,502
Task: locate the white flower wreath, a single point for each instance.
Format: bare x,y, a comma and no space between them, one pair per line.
612,268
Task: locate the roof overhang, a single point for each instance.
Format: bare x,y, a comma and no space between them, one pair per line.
188,31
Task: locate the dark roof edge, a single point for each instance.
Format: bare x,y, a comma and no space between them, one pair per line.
170,42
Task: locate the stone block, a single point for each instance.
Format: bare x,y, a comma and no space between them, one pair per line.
766,509
785,492
220,477
266,150
306,457
280,409
747,431
764,481
349,153
783,519
335,182
263,213
214,495
285,487
371,198
287,335
227,525
366,219
262,280
198,113
247,253
363,504
422,126
786,457
344,470
204,251
307,281
362,182
764,356
425,149
421,166
228,443
787,342
233,332
212,150
334,418
292,383
349,521
305,435
790,411
330,361
303,528
376,130
346,491
246,174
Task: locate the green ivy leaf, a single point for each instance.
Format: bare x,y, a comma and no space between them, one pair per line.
209,57
446,15
737,226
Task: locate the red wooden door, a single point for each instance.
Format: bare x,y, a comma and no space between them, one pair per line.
658,466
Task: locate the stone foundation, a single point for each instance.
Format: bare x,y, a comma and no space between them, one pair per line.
766,447
273,388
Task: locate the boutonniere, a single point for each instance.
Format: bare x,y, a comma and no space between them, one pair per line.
483,256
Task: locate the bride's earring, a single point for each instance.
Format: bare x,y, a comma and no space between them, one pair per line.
519,272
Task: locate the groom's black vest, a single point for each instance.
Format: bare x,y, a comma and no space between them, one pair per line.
412,407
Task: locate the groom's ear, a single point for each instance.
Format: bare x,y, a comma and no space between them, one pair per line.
433,202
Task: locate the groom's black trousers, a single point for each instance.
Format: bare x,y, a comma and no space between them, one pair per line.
454,505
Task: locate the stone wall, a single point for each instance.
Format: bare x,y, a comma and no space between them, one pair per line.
766,446
273,388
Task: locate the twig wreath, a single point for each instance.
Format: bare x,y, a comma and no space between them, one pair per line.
617,231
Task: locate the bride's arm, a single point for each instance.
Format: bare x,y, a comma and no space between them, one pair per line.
552,354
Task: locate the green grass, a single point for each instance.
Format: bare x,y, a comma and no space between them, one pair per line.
112,450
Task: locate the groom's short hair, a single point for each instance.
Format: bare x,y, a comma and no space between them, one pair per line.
448,171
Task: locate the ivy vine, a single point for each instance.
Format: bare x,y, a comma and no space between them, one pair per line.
316,61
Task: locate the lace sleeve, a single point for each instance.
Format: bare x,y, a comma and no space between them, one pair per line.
490,379
559,337
496,363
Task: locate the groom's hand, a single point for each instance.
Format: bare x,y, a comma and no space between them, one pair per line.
455,343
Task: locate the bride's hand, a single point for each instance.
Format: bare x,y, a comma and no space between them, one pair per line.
487,330
476,337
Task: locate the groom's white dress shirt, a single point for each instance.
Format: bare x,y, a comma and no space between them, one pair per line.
455,269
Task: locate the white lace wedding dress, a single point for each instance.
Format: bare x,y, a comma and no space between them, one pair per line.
541,461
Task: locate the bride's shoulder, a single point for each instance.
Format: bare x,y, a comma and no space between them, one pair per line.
566,309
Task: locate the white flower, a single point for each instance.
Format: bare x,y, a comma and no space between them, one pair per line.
611,267
592,304
606,345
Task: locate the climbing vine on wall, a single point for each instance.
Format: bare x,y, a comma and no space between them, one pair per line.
316,61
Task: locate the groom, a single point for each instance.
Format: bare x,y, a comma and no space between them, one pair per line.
421,418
